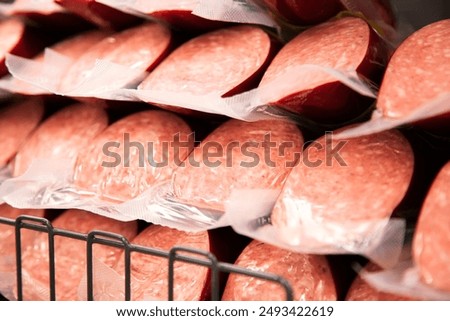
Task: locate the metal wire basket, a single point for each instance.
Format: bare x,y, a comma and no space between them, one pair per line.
179,253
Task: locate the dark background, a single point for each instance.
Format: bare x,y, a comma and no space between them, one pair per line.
418,13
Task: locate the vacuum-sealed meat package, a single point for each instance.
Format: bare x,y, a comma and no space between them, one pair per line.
98,168
119,60
317,94
337,200
236,156
308,275
72,48
414,89
290,80
139,154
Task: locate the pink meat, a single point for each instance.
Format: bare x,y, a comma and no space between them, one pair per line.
61,136
233,157
70,254
97,13
362,291
304,12
121,173
149,274
417,73
139,48
347,44
309,276
17,121
363,179
432,238
7,232
223,62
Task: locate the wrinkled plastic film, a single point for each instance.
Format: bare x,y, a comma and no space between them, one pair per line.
147,7
102,79
379,240
379,123
133,7
49,184
108,80
10,84
234,11
253,105
47,74
404,280
217,10
108,285
159,205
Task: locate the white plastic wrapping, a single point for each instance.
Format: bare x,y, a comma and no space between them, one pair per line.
252,105
9,85
108,80
48,75
236,11
379,240
38,6
404,279
48,183
379,123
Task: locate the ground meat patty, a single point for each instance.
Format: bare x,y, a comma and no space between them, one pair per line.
97,13
140,48
222,62
359,179
304,12
362,291
417,72
7,232
114,167
237,156
309,276
347,44
432,239
70,254
17,39
17,121
62,135
149,274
